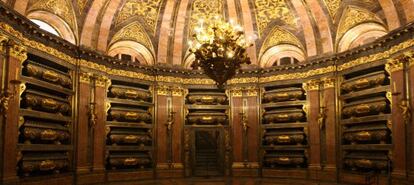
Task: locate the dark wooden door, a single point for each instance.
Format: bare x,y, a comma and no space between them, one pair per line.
208,152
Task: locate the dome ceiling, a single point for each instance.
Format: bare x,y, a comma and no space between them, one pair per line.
156,31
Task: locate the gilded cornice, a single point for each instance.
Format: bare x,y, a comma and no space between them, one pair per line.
312,85
201,81
85,77
116,72
169,79
243,80
130,74
377,56
36,45
298,75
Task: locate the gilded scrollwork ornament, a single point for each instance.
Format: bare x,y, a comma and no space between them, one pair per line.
322,117
92,115
170,121
404,105
4,102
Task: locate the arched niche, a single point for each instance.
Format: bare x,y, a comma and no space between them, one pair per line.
361,34
56,22
135,49
273,54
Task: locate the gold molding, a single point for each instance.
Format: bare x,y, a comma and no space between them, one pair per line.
250,91
235,92
312,85
178,91
162,90
18,52
377,56
298,75
328,82
36,45
243,80
85,77
394,65
102,81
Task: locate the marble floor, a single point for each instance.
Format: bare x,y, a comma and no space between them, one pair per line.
223,181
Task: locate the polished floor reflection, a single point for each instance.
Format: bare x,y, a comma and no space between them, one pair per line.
223,181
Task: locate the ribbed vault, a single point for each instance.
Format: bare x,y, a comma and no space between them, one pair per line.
162,27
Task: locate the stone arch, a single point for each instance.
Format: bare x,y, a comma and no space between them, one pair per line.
353,16
132,48
60,25
361,34
279,51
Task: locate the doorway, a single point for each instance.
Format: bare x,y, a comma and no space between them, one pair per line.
208,153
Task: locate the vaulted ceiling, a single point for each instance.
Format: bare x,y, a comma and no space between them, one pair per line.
156,31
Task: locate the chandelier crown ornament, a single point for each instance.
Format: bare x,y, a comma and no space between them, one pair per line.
219,48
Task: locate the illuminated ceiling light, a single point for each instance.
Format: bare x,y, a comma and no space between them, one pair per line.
219,48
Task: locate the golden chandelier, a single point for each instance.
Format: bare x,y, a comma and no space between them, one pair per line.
219,48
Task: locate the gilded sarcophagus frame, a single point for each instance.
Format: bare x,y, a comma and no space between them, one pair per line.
132,160
367,161
285,94
129,137
284,138
48,74
207,98
132,93
380,136
44,132
283,116
370,80
46,102
284,159
365,107
43,163
207,118
130,115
